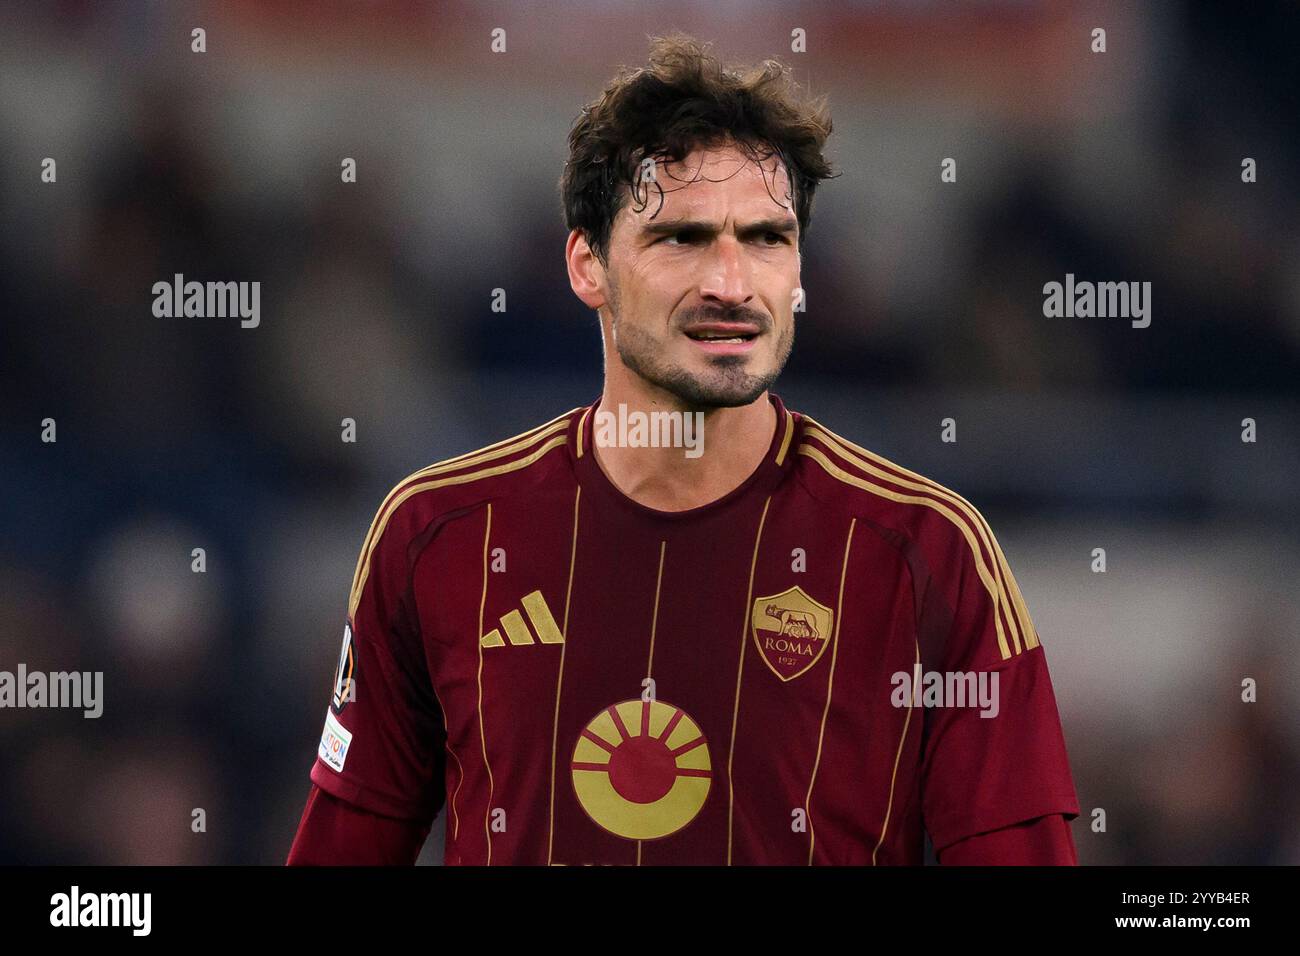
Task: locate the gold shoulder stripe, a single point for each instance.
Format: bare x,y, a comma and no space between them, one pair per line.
489,453
990,585
364,567
1023,625
785,440
986,531
582,423
532,433
1016,615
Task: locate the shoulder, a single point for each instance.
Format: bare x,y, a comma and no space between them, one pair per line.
456,485
948,539
948,529
477,476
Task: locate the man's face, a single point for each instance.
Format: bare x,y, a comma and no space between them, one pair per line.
701,289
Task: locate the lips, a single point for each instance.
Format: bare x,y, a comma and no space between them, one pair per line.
723,333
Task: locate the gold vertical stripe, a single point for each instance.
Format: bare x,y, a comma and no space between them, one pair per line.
961,526
355,597
740,670
654,623
559,683
654,617
482,730
893,777
830,685
516,630
460,771
540,615
1002,571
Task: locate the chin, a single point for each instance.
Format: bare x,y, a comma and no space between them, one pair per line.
704,394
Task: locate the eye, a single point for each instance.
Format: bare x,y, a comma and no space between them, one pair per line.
779,237
688,234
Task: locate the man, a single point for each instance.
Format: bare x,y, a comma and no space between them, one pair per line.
686,624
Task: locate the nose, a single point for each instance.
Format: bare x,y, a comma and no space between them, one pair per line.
727,274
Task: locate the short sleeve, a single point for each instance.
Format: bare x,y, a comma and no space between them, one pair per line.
1045,841
1001,758
382,745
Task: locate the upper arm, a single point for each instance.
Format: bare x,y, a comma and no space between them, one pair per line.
382,746
1002,761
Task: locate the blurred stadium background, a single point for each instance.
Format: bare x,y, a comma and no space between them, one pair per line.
925,302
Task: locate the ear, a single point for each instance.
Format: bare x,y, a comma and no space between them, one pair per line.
586,274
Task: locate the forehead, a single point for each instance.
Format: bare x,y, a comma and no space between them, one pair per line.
752,184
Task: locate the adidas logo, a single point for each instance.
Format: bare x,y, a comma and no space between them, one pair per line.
517,631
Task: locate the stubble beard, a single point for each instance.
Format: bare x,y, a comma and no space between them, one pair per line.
726,383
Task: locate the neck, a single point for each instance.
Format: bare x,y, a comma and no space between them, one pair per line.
729,445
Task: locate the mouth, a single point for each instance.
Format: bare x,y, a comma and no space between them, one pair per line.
724,337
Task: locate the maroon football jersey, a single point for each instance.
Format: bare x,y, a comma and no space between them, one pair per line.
767,679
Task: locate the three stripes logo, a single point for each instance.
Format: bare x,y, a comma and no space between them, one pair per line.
517,632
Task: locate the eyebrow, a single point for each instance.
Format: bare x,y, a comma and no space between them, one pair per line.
785,226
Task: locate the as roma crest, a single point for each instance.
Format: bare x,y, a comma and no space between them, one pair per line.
791,631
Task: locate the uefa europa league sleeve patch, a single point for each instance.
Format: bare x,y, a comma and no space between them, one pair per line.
335,740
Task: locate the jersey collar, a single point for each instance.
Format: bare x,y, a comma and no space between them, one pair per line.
762,481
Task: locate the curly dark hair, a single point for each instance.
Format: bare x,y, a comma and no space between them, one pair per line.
687,99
